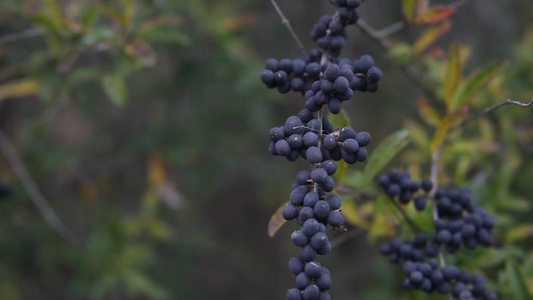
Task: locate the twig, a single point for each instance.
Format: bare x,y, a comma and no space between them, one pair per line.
405,216
17,36
287,24
351,233
381,38
489,109
35,194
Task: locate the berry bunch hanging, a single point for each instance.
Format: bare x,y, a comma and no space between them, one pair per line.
457,222
325,81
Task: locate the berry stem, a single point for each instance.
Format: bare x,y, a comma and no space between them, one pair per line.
435,158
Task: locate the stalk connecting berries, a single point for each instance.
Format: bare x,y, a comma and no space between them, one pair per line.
325,82
457,222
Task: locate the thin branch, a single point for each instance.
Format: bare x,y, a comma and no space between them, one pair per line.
489,109
35,194
287,24
22,35
381,38
405,216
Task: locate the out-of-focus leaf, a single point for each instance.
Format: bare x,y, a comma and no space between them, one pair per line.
342,166
408,8
349,210
428,113
435,15
447,123
46,21
384,153
429,37
516,281
276,221
453,75
339,120
400,53
115,88
519,233
55,9
474,84
90,16
139,284
163,35
19,88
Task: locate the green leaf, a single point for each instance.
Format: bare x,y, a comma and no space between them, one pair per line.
115,88
90,16
519,233
474,84
453,75
342,166
385,152
516,281
339,120
276,221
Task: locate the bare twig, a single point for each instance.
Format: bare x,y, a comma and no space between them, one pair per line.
35,194
287,24
491,108
381,38
17,36
405,216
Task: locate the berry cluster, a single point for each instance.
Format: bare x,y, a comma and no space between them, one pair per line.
325,81
329,32
397,184
464,224
296,140
461,222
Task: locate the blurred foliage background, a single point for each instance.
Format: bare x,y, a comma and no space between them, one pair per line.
144,124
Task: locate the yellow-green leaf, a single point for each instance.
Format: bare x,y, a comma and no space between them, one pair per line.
349,210
453,75
385,151
339,120
428,113
447,123
519,233
474,84
408,8
429,36
115,88
342,166
435,15
276,221
19,88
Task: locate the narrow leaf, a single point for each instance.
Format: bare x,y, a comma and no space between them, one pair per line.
453,75
517,281
428,113
276,221
429,37
19,88
115,88
519,233
385,152
349,210
435,15
447,123
474,84
408,8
